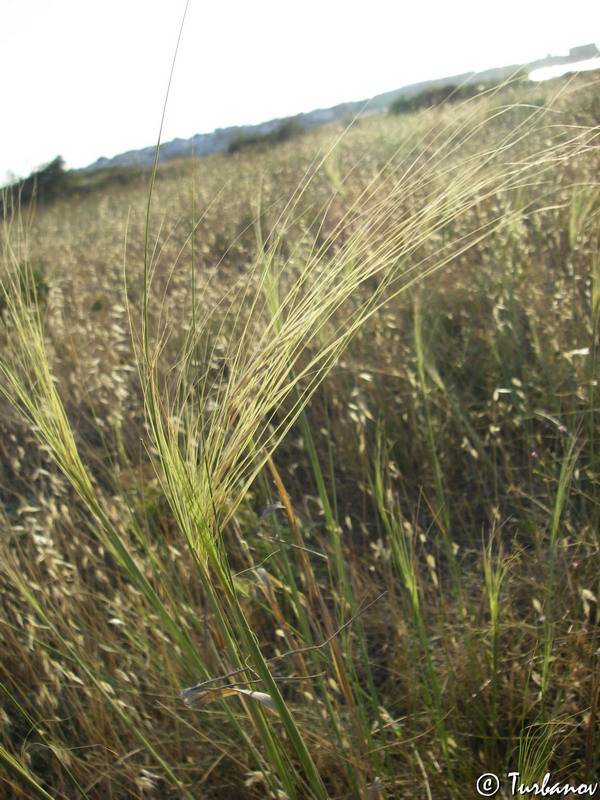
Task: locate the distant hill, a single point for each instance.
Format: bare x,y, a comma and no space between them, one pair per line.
221,139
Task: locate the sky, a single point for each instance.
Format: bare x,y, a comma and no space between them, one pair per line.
84,78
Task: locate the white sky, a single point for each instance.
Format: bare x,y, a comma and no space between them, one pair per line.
87,78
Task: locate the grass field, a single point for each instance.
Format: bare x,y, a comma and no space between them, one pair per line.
300,471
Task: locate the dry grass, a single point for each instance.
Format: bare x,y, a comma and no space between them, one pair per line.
386,340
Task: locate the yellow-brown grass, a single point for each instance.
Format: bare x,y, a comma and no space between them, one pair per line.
391,332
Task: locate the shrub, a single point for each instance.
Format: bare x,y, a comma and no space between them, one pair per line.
33,286
45,185
287,129
434,96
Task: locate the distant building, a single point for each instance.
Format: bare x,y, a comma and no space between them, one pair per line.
583,52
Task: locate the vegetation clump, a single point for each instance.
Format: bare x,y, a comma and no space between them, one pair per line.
285,130
438,95
32,286
43,185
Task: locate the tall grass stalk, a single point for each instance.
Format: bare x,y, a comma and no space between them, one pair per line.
496,569
402,545
563,483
